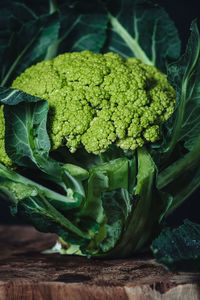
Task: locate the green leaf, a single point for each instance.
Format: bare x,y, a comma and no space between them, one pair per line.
104,177
39,212
35,204
97,183
26,139
179,249
117,172
112,153
184,76
116,201
83,26
76,171
142,29
18,187
13,15
181,178
25,122
116,210
28,43
132,175
180,148
184,125
142,213
29,34
16,190
73,177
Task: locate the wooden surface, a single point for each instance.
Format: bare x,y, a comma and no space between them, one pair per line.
26,274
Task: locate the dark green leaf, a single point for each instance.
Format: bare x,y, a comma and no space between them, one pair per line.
180,179
142,211
25,122
180,148
179,249
116,201
26,140
184,125
13,15
15,191
83,26
39,212
117,172
35,204
112,153
117,211
97,183
132,175
184,75
26,42
18,187
142,29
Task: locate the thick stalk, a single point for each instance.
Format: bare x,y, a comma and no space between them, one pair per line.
53,49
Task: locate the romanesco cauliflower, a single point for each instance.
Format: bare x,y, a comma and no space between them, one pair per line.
99,99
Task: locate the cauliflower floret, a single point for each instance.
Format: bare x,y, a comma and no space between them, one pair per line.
99,136
69,117
99,99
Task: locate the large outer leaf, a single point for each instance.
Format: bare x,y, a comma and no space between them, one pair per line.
110,204
107,199
39,212
184,76
18,187
83,26
180,148
181,178
27,41
120,203
12,16
142,29
28,36
35,204
184,124
25,123
145,209
179,249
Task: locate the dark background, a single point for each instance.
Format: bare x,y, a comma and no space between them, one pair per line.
182,13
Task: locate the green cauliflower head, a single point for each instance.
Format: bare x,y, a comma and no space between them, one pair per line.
99,99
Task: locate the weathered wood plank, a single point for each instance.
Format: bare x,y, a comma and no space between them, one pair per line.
27,274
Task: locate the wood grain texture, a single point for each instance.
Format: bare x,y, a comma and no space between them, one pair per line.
27,274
